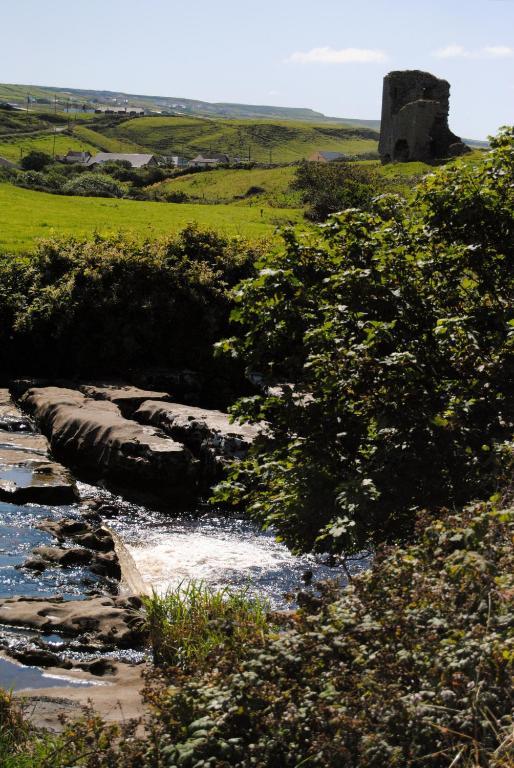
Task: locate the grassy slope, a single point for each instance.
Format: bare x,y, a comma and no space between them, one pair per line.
13,148
224,185
26,215
105,143
286,140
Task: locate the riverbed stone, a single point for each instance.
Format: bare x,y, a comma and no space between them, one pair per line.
126,397
108,621
11,418
94,435
209,434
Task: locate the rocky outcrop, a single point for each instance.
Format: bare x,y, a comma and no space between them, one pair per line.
209,434
414,125
27,474
94,435
101,620
11,418
127,398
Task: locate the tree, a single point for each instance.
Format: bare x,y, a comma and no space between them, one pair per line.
331,187
388,338
35,161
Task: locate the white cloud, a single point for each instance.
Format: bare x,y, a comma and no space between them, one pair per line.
455,51
328,55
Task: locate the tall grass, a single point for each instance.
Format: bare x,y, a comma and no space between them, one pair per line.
189,623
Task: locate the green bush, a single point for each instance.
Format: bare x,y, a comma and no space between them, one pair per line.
330,187
109,305
411,665
94,184
35,161
390,336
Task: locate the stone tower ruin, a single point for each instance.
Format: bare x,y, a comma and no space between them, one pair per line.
414,126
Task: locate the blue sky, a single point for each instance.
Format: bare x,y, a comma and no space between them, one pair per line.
330,55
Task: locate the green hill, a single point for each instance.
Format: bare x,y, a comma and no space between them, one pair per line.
263,141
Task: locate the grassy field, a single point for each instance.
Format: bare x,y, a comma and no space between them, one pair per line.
13,149
26,215
261,140
105,143
231,186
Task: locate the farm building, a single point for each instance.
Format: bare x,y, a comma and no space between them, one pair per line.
209,162
76,157
135,160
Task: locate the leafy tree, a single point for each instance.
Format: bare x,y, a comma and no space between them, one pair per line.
330,187
388,336
35,161
94,184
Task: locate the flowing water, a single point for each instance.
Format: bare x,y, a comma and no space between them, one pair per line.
215,548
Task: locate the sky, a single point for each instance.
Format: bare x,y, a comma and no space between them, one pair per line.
329,55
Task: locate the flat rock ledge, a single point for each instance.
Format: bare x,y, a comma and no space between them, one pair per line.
105,621
209,434
27,474
94,435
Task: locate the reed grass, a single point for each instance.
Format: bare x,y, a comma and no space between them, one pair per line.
192,622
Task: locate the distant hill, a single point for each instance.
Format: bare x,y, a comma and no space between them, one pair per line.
46,95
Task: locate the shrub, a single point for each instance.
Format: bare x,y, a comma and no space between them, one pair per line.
411,665
109,304
331,187
94,184
35,161
390,334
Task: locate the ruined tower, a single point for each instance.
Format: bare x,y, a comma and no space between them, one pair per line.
414,126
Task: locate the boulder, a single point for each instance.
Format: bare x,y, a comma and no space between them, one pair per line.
94,435
209,434
62,556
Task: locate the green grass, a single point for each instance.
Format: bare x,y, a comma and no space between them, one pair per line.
278,141
13,149
229,186
105,143
191,622
26,215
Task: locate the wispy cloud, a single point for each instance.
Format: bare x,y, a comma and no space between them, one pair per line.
455,51
329,55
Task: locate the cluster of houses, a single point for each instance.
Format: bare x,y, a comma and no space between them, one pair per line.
139,160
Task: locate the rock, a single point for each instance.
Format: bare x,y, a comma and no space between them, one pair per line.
98,667
414,125
65,528
62,556
94,435
34,564
33,656
28,475
98,540
105,620
106,564
11,418
209,434
127,398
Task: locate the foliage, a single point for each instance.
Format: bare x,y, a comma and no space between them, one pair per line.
35,161
330,187
411,665
191,624
390,335
112,304
94,185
